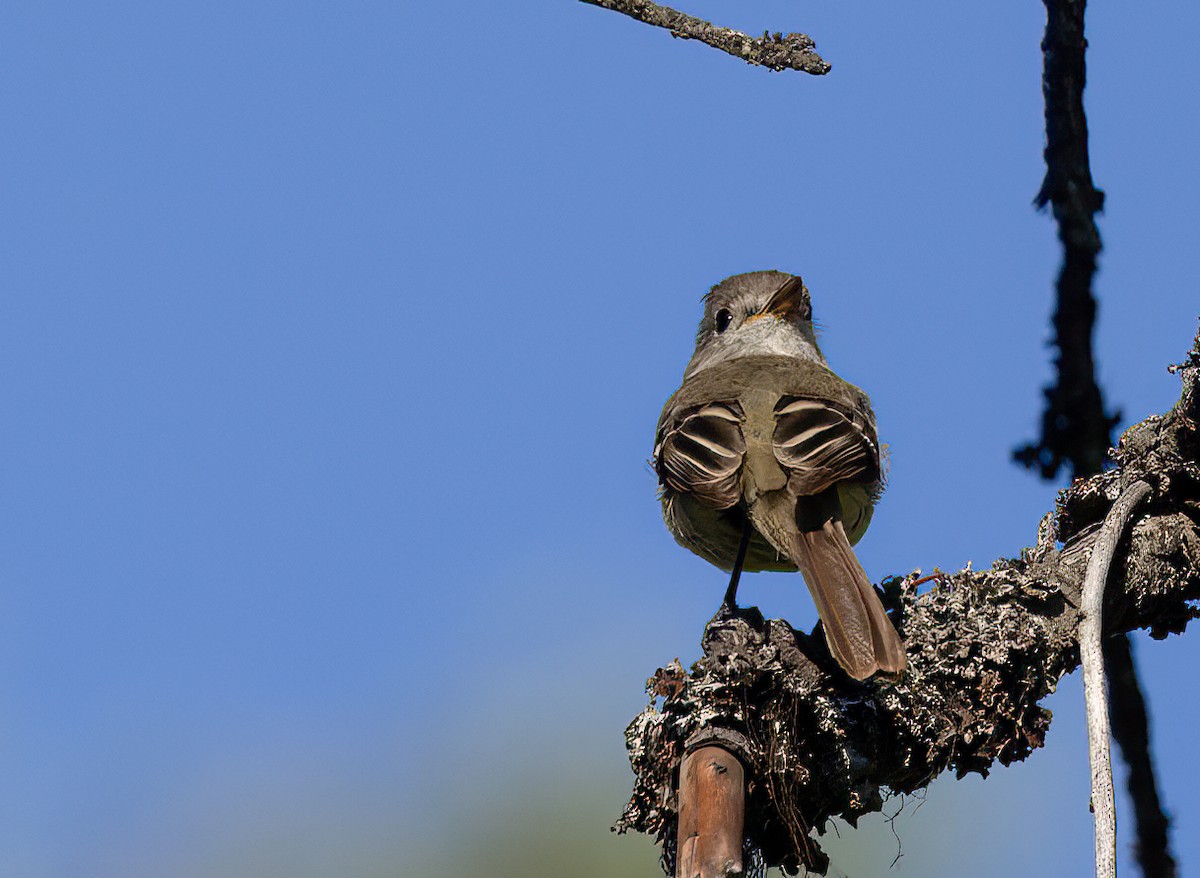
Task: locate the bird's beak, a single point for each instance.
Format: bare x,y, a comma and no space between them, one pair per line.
786,303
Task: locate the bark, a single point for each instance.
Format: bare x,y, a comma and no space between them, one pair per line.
774,51
985,647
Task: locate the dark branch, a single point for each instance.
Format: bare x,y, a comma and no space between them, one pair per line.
776,51
1076,430
985,647
1130,727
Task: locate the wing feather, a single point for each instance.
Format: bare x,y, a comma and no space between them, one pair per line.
821,443
701,454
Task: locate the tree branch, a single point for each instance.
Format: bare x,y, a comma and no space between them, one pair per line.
1131,730
1076,431
776,51
1095,687
985,647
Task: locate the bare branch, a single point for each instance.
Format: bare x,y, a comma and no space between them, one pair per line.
776,51
1076,429
984,648
1131,730
1094,685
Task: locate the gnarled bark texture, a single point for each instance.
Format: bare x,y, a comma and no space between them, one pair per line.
985,647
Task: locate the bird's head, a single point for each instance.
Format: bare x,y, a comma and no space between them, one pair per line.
760,312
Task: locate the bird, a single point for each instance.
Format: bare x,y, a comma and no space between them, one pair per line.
767,460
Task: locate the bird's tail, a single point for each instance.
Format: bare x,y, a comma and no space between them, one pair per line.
859,633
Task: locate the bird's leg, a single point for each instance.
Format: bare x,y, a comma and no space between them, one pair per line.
730,601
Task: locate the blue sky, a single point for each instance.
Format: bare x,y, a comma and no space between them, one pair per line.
333,340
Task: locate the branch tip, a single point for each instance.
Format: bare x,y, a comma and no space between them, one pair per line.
793,51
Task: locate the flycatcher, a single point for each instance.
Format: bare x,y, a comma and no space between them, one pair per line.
769,461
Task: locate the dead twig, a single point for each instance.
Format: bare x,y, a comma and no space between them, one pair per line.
1095,689
774,51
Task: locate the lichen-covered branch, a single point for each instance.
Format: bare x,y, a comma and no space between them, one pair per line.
776,51
985,647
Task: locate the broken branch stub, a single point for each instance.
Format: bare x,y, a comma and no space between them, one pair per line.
711,813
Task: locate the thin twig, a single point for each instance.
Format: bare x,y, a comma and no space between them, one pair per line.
1094,686
776,51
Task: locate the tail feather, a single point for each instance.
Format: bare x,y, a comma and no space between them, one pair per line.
860,635
810,532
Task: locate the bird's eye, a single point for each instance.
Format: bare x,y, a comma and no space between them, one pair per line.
724,318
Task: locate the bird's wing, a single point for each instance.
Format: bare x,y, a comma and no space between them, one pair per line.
820,443
700,451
